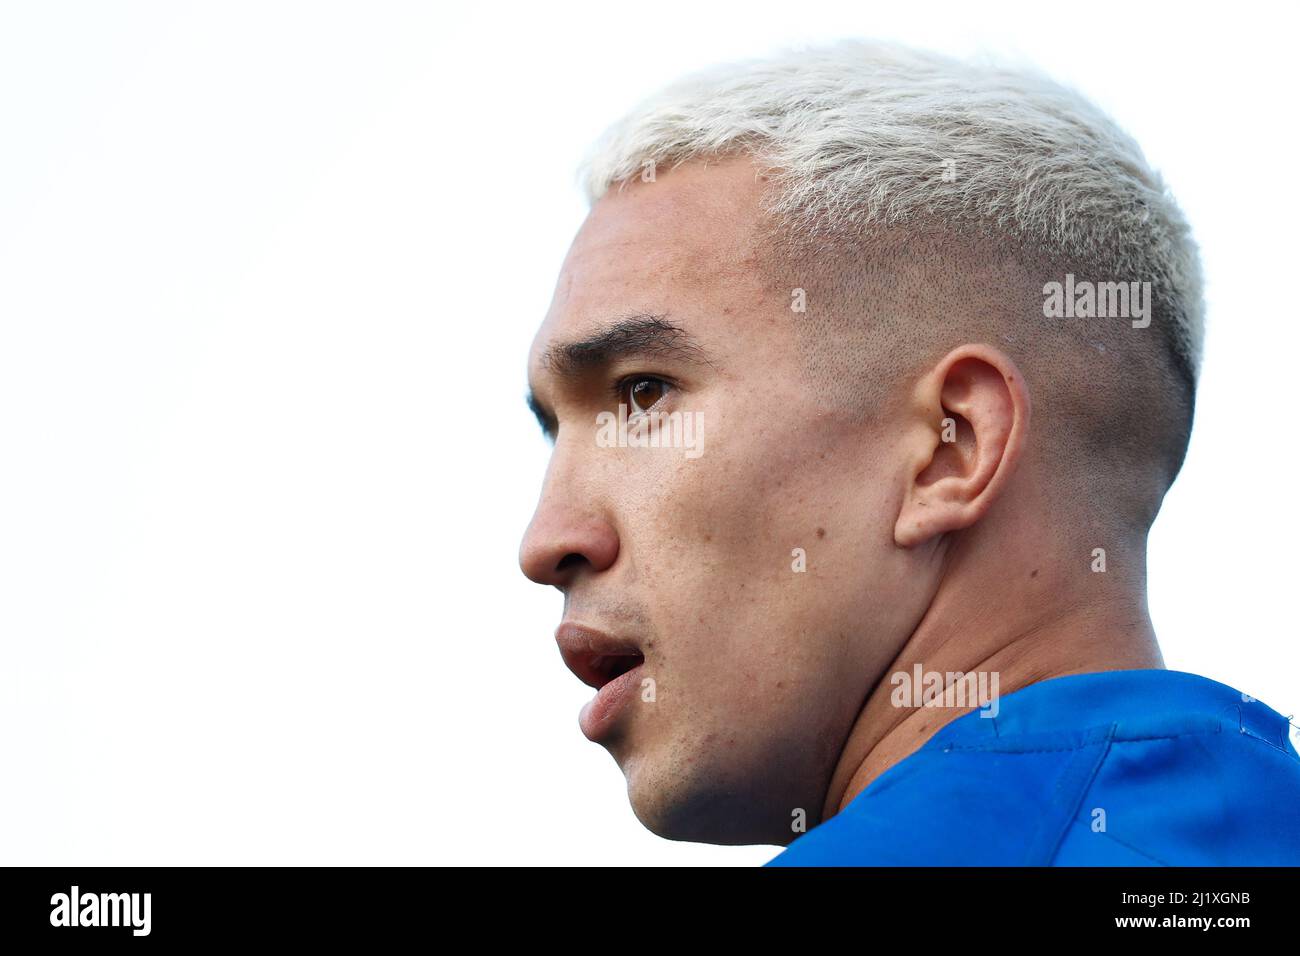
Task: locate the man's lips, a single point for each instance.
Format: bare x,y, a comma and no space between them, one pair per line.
596,658
610,664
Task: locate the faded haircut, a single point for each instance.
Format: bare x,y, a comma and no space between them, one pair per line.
877,152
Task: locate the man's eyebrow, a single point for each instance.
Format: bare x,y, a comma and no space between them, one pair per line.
643,334
640,334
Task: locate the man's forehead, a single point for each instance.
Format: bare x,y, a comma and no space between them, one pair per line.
685,238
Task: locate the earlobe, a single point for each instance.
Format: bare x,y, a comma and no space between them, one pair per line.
972,418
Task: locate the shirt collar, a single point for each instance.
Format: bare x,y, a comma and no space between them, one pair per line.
1132,701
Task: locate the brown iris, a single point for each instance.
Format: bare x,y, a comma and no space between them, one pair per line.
643,393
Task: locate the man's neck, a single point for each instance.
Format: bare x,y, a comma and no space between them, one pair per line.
1108,629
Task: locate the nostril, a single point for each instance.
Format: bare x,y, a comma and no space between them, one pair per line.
569,560
555,553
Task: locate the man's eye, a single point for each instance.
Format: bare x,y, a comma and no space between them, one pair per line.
642,393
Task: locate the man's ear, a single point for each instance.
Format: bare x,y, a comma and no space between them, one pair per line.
972,413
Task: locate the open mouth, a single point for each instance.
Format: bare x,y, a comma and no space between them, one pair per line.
596,670
609,664
606,667
594,657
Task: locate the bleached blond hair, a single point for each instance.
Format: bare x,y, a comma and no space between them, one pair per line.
856,134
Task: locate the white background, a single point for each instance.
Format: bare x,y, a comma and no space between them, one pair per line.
268,275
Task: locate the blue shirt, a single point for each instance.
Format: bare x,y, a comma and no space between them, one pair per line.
1118,768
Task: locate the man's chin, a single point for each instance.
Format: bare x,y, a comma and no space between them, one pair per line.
683,806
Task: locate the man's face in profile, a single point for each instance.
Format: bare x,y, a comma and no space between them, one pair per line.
758,578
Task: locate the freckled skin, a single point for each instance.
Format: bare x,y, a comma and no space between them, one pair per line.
767,680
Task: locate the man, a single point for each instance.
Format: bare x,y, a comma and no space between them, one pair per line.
867,374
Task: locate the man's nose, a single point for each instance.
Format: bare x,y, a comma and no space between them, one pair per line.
562,540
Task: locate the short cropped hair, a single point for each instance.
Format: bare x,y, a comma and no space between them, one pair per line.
862,138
